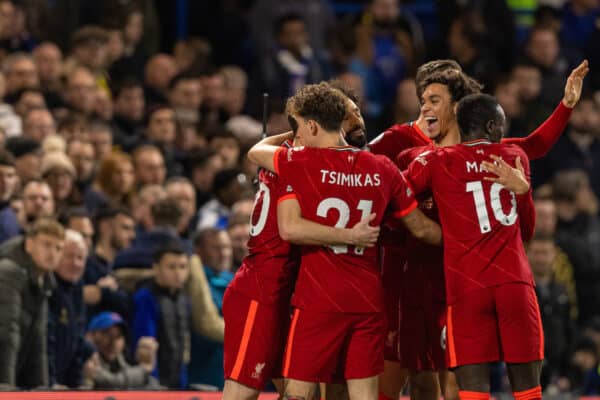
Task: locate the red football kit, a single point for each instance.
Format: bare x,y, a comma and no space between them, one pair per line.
492,307
415,341
338,298
256,303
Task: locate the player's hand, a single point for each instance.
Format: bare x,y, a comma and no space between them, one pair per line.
363,234
108,282
511,178
575,84
145,353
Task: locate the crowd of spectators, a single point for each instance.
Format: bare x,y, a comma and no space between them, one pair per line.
125,192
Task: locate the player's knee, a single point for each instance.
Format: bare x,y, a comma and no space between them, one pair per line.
473,378
524,376
424,386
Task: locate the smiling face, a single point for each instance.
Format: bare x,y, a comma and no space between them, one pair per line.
437,109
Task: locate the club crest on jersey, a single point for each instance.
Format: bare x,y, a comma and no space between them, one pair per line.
258,370
289,189
350,158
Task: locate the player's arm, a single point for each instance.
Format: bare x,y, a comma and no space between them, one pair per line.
540,141
263,152
513,179
422,227
293,228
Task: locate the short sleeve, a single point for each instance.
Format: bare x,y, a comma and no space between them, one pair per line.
285,160
418,173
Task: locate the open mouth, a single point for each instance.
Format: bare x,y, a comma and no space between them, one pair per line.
433,125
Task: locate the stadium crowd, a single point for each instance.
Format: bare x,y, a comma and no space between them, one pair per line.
126,192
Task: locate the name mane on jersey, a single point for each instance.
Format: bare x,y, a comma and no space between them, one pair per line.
349,180
474,167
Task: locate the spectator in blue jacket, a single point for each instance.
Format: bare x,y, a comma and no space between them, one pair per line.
9,226
162,311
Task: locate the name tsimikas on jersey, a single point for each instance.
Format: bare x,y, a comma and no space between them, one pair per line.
350,180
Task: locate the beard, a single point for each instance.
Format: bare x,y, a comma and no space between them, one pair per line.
357,138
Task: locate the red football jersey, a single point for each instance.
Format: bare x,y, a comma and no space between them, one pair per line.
483,246
338,187
267,274
423,271
397,139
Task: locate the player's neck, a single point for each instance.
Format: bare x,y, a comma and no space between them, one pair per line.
451,138
332,140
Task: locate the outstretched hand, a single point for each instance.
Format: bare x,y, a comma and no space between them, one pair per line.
511,178
363,234
575,84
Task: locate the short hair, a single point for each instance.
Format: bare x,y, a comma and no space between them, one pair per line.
153,110
13,58
434,66
6,159
46,226
110,212
286,18
542,237
182,76
170,247
321,103
15,97
224,178
72,235
459,84
474,112
345,89
567,183
38,181
142,148
178,179
204,234
166,212
129,82
73,212
88,34
220,132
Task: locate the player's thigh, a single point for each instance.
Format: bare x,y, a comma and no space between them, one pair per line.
254,339
474,377
236,391
524,376
363,354
520,323
314,346
424,385
363,389
448,384
299,390
472,330
393,379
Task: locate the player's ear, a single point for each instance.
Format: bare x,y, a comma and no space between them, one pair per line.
455,108
490,127
314,128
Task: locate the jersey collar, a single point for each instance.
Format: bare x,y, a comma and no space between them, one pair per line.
476,142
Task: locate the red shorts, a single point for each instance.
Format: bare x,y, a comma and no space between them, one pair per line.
500,323
254,339
421,345
323,345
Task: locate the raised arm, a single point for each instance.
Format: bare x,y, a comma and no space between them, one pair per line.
538,143
263,152
293,228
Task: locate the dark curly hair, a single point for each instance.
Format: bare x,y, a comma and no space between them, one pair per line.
431,67
345,89
458,83
321,103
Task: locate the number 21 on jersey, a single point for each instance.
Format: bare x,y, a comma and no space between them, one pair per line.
343,209
476,188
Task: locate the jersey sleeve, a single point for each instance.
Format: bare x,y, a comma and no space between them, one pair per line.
540,141
402,196
286,160
525,205
419,172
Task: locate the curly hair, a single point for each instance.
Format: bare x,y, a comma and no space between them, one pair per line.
458,83
321,103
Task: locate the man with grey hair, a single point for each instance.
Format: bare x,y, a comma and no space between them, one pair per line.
67,349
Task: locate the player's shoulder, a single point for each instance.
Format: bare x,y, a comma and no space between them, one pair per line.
394,131
408,155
